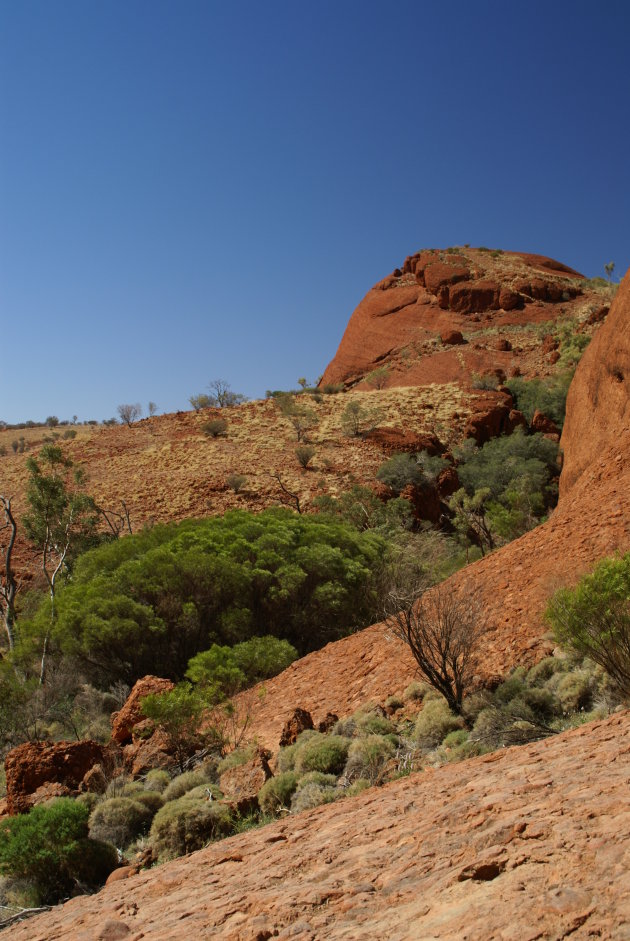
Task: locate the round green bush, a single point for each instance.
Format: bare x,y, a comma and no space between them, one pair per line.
119,820
183,783
326,753
151,800
185,825
346,727
157,780
276,793
415,690
236,758
434,723
367,758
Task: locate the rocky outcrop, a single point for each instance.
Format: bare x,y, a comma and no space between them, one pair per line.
299,720
38,771
528,842
131,713
443,295
598,404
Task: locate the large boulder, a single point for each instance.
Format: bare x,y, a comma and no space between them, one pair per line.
38,771
131,713
240,785
298,722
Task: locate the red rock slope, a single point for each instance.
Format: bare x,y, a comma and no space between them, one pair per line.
527,843
592,520
445,315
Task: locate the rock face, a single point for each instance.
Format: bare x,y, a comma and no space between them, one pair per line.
241,785
525,843
443,296
598,404
131,714
298,722
38,771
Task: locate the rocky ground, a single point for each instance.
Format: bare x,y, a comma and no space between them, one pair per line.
527,843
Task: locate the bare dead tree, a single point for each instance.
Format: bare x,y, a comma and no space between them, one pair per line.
129,413
289,498
118,521
442,629
8,582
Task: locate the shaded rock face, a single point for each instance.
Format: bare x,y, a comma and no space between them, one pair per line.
598,403
38,771
240,786
131,713
444,296
298,722
528,842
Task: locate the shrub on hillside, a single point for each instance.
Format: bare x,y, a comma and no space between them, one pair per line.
545,395
276,793
183,783
325,753
119,820
434,723
50,848
367,758
401,470
215,428
313,795
157,780
593,619
185,825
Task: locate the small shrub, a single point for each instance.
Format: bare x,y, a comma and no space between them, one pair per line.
326,753
312,795
319,778
185,825
453,739
69,434
305,454
276,793
367,757
544,670
358,787
183,783
236,482
394,702
119,820
573,689
157,780
346,727
434,723
236,758
215,428
286,758
151,800
487,381
373,723
415,691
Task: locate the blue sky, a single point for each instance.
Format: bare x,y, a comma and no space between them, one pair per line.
192,190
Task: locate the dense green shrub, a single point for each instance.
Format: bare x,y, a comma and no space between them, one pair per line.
546,395
367,758
370,721
155,599
325,753
185,825
228,669
593,619
318,778
215,428
276,793
401,470
502,460
235,759
119,820
434,723
50,847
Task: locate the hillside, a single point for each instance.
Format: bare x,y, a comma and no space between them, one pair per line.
592,520
526,843
444,316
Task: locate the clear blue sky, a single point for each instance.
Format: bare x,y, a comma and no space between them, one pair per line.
192,190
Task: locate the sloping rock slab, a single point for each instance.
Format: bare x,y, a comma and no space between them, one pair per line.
526,843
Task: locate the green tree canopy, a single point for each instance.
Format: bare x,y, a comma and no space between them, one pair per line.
151,601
